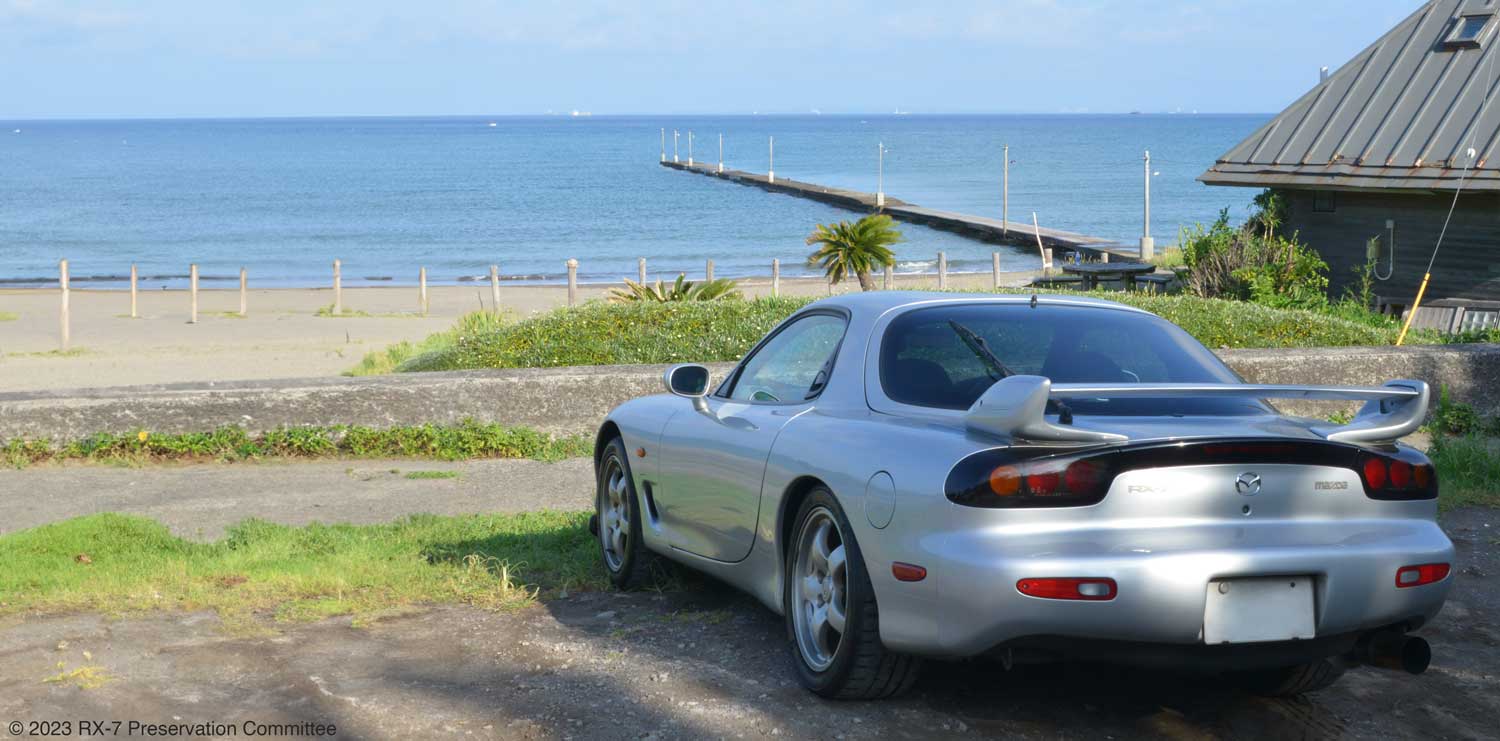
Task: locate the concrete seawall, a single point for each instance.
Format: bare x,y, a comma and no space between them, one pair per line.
571,400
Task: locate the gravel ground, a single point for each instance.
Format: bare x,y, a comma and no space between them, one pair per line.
704,662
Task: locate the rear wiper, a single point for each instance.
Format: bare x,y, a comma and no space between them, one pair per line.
981,349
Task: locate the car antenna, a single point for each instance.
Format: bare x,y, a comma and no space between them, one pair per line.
1033,300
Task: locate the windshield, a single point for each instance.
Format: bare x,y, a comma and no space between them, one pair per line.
929,357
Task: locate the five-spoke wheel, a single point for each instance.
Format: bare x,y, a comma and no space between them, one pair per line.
618,518
822,593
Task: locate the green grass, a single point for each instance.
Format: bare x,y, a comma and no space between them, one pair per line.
116,564
611,334
422,475
389,359
1468,470
463,441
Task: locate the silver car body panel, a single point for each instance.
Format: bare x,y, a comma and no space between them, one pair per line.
1163,534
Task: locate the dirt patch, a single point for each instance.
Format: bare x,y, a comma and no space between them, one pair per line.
703,662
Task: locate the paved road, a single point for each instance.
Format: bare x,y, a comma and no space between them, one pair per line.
199,501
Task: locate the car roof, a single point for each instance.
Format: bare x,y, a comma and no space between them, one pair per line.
876,303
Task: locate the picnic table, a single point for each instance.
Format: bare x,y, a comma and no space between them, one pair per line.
1091,272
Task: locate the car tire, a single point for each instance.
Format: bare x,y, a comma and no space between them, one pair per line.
617,522
858,666
1292,680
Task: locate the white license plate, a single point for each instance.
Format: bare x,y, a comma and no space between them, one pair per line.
1273,608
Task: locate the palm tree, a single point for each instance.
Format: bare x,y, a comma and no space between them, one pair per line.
857,248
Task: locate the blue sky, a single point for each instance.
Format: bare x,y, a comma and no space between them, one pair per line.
387,57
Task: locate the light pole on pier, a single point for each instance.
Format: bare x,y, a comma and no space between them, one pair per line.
1148,245
674,145
880,178
690,147
721,153
1005,194
771,169
663,144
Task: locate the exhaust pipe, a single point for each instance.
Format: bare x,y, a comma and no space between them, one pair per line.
1390,650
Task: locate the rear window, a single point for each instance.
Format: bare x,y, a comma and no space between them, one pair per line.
925,361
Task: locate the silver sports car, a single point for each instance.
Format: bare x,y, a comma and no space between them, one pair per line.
1030,478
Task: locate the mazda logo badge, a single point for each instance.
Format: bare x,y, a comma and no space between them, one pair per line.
1247,484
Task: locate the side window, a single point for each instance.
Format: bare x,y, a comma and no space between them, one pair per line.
792,366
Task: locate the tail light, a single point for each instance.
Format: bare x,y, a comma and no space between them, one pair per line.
1000,481
1402,476
1416,576
1023,476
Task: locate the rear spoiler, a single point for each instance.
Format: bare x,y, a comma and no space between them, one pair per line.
1015,406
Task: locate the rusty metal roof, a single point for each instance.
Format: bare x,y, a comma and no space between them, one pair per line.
1401,115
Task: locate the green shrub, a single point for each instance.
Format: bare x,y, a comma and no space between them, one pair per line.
681,290
1253,263
1454,418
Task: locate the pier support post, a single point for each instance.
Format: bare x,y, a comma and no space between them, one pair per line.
942,271
572,281
1148,245
133,292
771,169
244,293
338,287
641,268
775,278
495,288
422,290
65,337
995,267
708,271
193,292
890,278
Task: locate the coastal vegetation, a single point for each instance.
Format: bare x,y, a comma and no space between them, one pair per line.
680,290
859,247
653,332
467,440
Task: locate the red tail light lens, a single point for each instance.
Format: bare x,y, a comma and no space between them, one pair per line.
1416,576
999,481
1071,588
1401,476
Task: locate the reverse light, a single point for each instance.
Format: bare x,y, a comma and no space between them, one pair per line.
1085,589
1416,576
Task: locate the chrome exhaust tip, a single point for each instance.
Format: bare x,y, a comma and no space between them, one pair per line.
1399,652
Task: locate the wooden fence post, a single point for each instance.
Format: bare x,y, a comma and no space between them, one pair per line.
62,282
133,302
890,277
193,292
708,272
572,282
422,289
338,287
995,267
775,277
942,271
495,288
244,293
641,268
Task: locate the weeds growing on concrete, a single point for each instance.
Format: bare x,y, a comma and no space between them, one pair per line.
423,475
116,563
467,440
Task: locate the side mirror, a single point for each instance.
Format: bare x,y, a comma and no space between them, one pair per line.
688,380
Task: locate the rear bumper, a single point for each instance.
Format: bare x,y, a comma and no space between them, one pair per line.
1163,576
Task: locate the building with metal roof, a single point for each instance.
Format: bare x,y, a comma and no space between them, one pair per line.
1377,150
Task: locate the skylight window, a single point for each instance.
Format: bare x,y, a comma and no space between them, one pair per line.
1467,32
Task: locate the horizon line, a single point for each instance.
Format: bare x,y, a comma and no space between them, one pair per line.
569,115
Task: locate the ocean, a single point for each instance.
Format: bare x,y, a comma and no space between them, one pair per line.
284,197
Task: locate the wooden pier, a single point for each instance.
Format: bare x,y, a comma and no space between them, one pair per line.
977,227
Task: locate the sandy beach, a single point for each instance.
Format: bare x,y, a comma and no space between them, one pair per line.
283,335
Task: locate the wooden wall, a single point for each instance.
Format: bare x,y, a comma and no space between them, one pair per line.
1468,266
